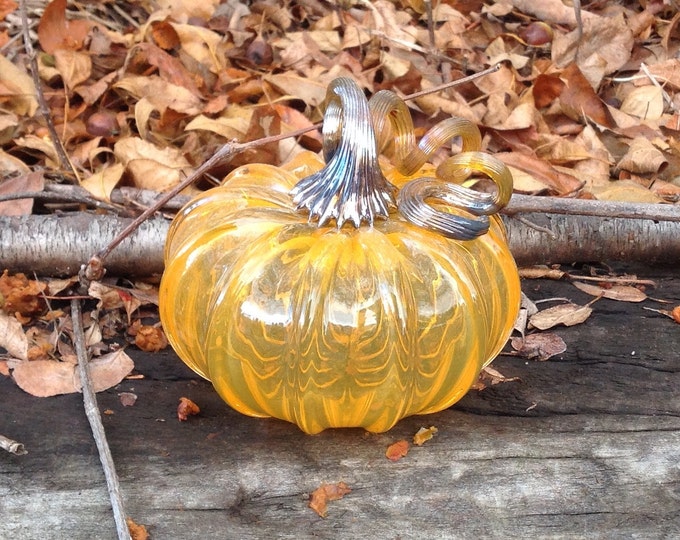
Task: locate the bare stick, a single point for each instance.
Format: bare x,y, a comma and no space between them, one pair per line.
94,417
463,80
58,197
584,207
44,108
13,447
430,23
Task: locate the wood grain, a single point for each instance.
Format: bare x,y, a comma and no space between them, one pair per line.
585,445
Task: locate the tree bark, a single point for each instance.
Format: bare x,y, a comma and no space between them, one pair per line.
57,245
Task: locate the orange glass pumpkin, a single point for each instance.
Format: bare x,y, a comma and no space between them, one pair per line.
312,294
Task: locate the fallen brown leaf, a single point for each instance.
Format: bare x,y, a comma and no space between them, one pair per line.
491,376
423,435
186,408
541,272
137,532
397,450
566,314
320,497
578,99
541,346
622,293
18,294
12,337
33,181
45,378
127,399
56,32
545,173
150,339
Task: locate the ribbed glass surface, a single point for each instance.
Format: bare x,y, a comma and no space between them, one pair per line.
327,327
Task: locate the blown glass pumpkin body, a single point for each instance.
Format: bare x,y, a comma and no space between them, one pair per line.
327,325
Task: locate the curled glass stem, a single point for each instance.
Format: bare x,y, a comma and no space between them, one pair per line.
394,127
467,214
351,187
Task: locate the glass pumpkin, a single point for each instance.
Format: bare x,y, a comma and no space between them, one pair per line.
350,294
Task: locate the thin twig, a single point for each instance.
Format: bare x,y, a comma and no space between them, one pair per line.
533,225
613,279
462,80
579,28
95,419
44,108
13,447
430,23
58,197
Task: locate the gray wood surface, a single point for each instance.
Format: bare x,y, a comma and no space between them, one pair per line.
586,445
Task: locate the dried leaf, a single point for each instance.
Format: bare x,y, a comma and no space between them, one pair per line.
137,532
101,184
186,408
17,92
642,157
541,272
127,399
539,346
21,295
397,450
74,67
423,435
151,339
45,378
566,314
542,171
645,102
151,167
109,297
12,337
202,45
607,40
318,500
491,376
170,68
622,293
161,94
31,182
230,127
56,32
578,99
626,191
7,7
183,10
164,35
312,92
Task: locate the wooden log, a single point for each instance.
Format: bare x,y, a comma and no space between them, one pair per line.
587,444
58,245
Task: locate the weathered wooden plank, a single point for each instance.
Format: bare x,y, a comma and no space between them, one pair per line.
586,445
